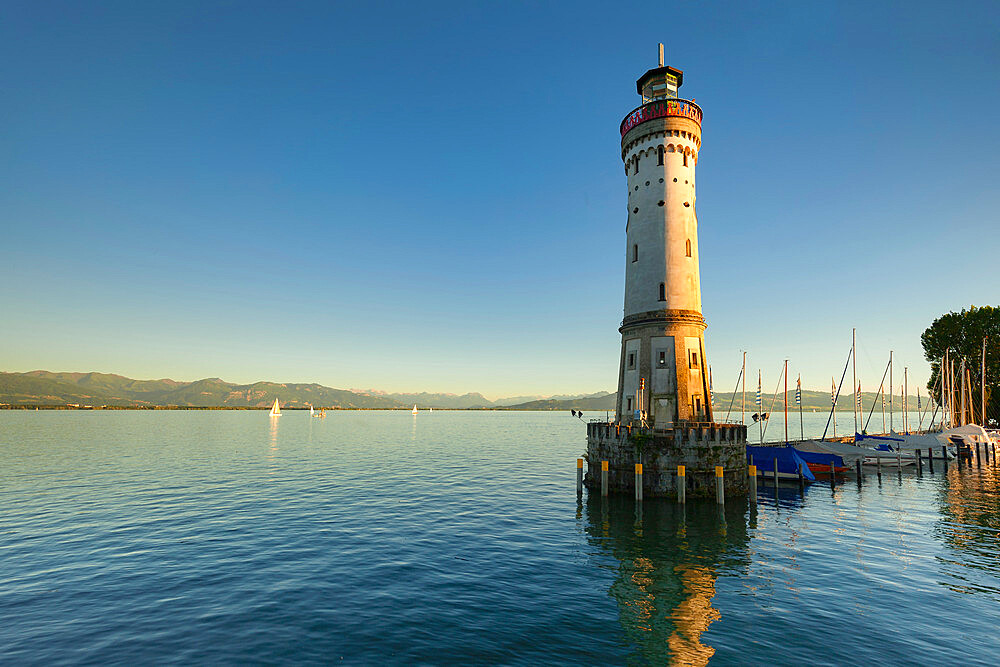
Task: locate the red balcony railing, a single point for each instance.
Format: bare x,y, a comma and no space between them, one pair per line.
661,109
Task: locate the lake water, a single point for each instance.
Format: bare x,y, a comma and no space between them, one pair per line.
457,537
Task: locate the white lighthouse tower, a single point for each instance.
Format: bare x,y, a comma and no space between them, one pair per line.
663,377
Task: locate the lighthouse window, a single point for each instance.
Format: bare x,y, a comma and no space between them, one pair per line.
659,155
631,360
688,247
663,292
637,167
660,203
663,358
635,253
693,362
685,159
635,210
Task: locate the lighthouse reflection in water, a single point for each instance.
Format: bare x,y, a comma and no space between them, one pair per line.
668,558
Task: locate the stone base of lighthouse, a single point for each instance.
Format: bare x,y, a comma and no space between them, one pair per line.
697,447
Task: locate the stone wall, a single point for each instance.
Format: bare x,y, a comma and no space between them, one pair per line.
699,448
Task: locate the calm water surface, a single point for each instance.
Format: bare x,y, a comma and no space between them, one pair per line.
456,537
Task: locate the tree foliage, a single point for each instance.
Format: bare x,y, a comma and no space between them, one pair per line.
961,335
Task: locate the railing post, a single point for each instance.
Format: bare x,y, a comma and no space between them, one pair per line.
579,477
604,478
720,489
638,481
681,485
753,484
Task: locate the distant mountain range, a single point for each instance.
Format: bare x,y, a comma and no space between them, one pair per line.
105,389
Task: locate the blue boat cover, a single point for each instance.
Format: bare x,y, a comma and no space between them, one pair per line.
821,458
788,460
881,442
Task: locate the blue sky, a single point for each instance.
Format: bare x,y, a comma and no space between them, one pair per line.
429,196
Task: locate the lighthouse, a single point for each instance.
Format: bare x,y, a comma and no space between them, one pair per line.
664,436
663,375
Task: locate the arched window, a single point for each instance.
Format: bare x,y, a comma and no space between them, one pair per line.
687,248
685,159
637,166
635,253
659,155
663,292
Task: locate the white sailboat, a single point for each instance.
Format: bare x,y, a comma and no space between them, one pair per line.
311,411
414,411
275,409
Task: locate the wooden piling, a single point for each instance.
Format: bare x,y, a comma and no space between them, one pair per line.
720,490
978,461
878,466
638,482
681,485
579,477
930,460
775,472
920,463
753,484
857,465
944,455
802,480
604,478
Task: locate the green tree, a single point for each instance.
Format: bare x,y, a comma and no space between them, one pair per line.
961,335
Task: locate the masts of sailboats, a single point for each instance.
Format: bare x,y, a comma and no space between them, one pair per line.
833,408
881,394
961,380
951,392
732,400
946,404
854,374
982,386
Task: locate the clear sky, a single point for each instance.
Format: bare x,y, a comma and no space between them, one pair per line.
429,196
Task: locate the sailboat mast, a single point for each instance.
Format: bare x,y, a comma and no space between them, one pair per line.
833,400
890,390
785,373
760,406
906,415
920,423
881,397
743,403
798,399
854,374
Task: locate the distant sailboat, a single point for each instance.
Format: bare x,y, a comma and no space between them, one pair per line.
275,409
311,413
414,411
432,410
